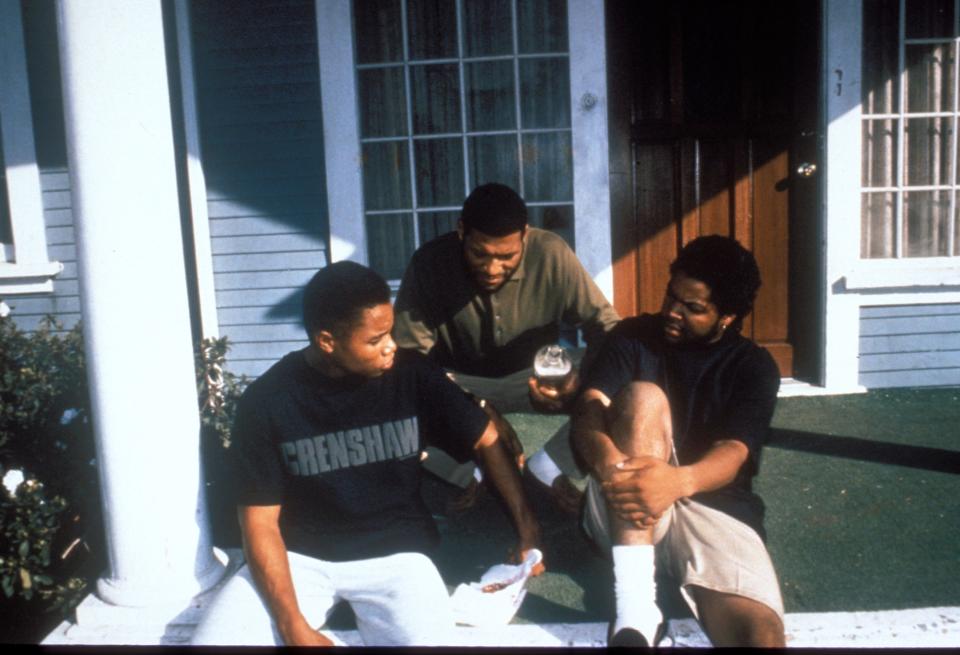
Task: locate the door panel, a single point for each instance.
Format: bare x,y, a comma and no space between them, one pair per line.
713,117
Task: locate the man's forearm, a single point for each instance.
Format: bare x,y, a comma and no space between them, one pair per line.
266,555
716,469
588,433
505,478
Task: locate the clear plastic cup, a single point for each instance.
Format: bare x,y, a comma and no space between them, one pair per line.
551,365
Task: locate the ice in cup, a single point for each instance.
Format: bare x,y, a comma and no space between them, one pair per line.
551,365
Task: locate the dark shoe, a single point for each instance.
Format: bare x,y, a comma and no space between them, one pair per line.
627,638
466,498
633,638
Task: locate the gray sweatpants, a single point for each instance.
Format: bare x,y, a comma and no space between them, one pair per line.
398,600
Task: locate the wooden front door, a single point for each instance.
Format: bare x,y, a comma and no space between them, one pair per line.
709,103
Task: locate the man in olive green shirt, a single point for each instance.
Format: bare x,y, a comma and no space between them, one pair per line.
482,300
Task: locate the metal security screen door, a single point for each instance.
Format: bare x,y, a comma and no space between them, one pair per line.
453,94
910,112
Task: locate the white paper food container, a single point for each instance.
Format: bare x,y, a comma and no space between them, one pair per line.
473,606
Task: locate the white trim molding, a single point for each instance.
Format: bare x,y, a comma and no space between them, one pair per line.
196,181
842,39
927,273
591,160
28,270
341,133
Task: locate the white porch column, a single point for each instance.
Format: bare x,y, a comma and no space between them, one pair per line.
134,302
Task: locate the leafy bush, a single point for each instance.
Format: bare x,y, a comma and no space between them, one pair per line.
218,391
29,521
51,533
41,375
50,523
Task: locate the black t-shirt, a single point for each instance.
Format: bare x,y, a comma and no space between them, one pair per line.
718,391
342,455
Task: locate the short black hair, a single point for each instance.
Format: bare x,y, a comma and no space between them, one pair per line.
336,296
494,209
729,269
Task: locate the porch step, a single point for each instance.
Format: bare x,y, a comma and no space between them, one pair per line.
929,627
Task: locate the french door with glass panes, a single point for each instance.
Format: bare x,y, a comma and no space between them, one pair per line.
452,94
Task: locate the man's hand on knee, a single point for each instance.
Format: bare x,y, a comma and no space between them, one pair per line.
641,489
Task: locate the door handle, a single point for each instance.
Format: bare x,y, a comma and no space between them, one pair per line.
806,169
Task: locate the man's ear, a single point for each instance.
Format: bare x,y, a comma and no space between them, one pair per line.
727,320
325,341
460,228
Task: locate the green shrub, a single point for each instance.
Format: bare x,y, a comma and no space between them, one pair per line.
51,532
218,391
51,523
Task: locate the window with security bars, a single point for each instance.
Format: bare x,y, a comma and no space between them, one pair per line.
910,112
453,94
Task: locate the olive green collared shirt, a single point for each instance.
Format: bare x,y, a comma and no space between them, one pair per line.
441,311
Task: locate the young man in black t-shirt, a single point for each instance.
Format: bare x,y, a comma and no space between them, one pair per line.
326,461
670,423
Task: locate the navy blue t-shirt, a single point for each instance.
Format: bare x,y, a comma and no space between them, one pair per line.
724,390
342,455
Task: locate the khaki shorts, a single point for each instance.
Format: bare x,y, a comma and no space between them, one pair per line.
700,546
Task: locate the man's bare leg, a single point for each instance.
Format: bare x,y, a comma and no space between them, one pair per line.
638,421
731,620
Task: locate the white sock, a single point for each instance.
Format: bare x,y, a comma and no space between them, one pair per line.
543,467
636,590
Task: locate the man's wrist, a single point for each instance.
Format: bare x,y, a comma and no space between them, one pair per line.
687,481
289,626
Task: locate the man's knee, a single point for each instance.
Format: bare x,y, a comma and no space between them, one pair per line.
416,570
761,629
732,620
639,420
768,631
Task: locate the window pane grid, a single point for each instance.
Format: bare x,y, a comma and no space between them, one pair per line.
517,108
405,35
491,145
952,217
907,187
912,114
463,110
449,135
902,103
910,155
927,41
465,60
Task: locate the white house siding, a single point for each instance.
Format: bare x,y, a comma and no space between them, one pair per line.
910,345
258,97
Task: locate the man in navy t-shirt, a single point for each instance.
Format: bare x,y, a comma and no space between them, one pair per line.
670,423
326,458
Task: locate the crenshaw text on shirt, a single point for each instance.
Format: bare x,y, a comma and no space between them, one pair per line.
356,447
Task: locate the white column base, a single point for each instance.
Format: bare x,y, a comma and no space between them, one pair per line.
137,594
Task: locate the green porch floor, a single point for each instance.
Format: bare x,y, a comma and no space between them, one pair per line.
863,512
